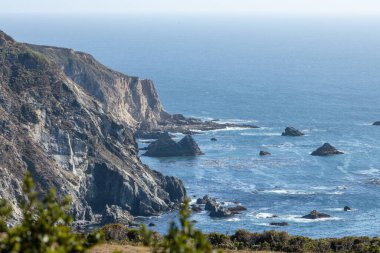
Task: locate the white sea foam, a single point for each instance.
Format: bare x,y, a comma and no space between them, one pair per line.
237,121
263,215
300,192
370,171
299,219
233,219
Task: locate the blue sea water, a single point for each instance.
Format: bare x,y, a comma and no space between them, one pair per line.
318,74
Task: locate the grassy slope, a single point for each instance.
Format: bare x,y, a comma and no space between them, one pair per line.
110,248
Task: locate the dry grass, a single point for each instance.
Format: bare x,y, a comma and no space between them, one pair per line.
110,248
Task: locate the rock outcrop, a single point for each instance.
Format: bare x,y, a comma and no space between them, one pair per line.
326,150
315,215
216,209
377,123
291,131
70,121
165,146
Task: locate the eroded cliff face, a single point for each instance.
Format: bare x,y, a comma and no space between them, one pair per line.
129,99
59,121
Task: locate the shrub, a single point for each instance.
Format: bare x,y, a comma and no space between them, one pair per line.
45,227
183,239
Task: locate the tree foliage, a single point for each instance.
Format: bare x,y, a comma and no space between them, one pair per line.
45,227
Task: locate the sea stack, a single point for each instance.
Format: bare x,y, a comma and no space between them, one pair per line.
165,146
326,150
291,131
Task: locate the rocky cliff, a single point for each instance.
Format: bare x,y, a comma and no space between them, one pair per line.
70,121
129,99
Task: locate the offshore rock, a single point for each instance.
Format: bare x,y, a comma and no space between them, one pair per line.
165,146
326,150
377,123
264,153
315,215
291,131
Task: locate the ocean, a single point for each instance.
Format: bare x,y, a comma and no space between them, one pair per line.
318,74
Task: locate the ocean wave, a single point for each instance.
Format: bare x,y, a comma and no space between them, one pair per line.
237,121
264,215
260,134
299,219
370,171
300,192
222,130
291,218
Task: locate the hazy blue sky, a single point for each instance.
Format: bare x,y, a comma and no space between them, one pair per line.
192,6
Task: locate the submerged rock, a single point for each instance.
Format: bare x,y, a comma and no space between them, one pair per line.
291,131
280,224
213,139
326,150
237,209
264,153
165,146
315,215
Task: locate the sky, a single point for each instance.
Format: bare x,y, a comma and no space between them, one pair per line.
192,6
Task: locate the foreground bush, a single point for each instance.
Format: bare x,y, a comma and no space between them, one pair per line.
45,227
179,239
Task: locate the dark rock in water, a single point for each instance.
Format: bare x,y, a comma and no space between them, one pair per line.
326,150
213,139
165,146
194,221
152,224
196,208
237,209
271,217
347,208
291,131
220,212
115,214
281,224
377,123
264,153
315,215
144,148
211,204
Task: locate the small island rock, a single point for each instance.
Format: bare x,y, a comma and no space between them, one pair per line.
347,208
315,215
377,123
326,150
165,146
263,153
291,131
213,139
